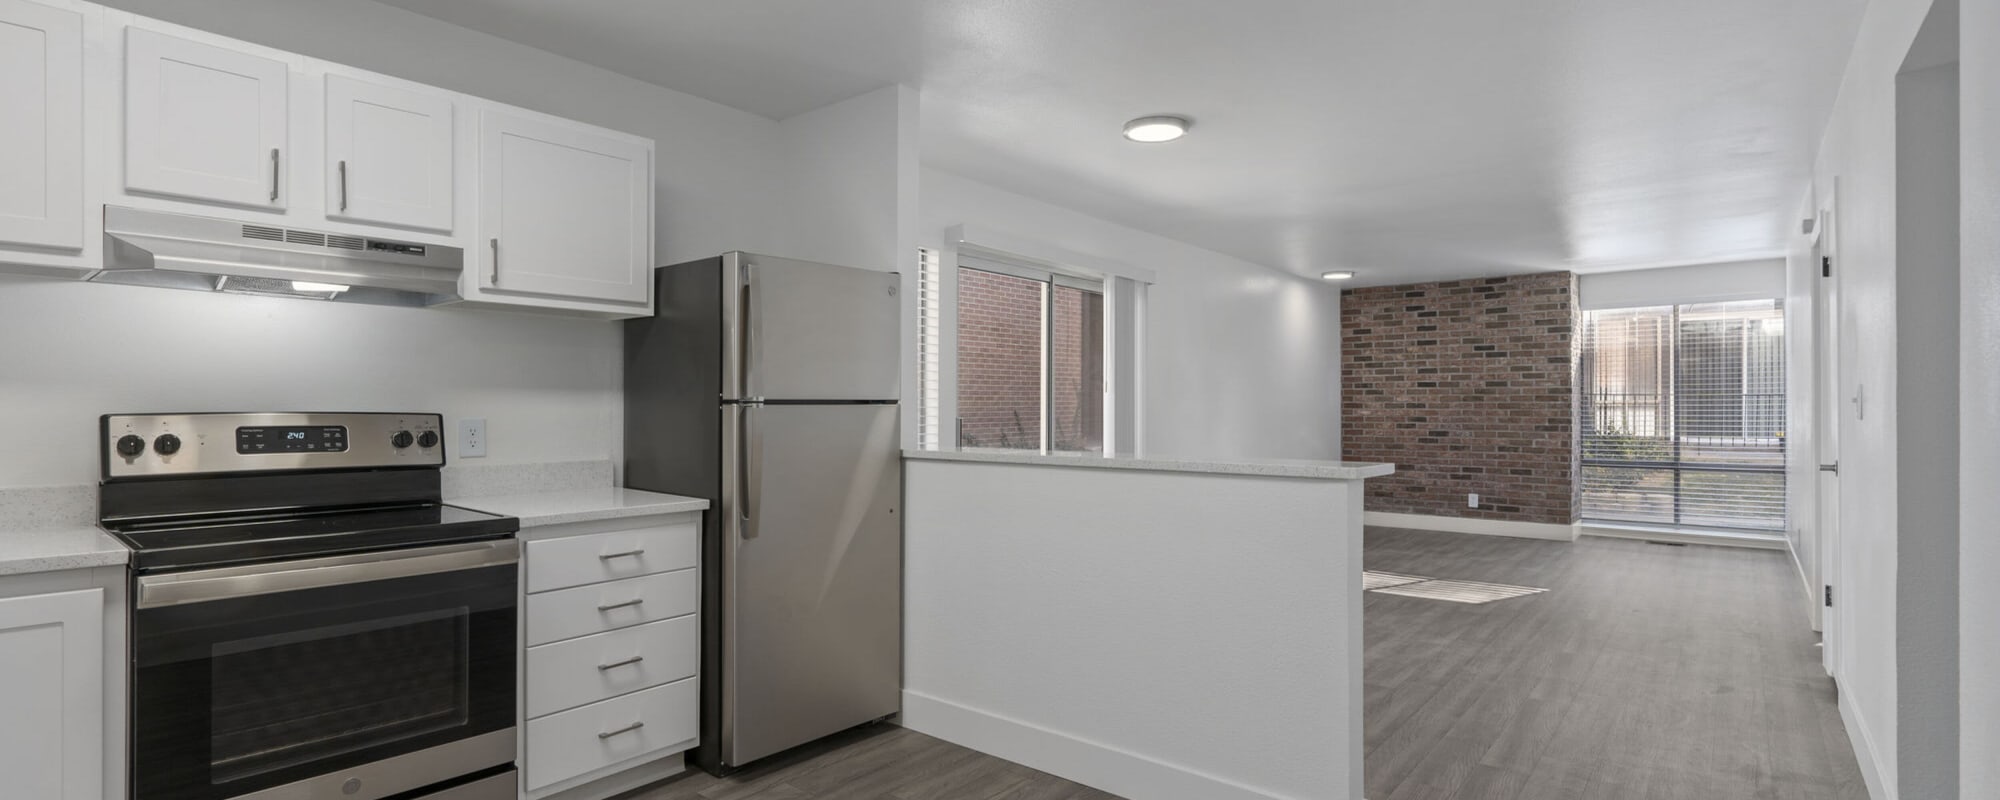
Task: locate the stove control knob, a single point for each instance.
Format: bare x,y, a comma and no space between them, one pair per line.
427,439
402,439
131,446
168,444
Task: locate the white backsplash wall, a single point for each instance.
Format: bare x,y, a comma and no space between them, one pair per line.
548,387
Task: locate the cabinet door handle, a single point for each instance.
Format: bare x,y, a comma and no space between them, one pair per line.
495,244
274,174
343,186
626,604
616,664
608,556
627,729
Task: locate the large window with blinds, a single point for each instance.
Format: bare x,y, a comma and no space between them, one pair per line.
1682,413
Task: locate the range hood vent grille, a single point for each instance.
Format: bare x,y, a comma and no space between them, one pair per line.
265,233
346,242
305,237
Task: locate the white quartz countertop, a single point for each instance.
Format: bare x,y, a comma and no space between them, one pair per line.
58,548
1272,468
579,505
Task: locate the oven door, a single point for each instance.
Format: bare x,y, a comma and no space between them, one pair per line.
357,676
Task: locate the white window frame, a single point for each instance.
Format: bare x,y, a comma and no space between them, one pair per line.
1124,288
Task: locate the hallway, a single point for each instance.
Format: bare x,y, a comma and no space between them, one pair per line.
1646,671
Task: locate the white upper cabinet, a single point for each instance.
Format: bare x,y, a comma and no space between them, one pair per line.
204,122
388,155
41,127
52,691
565,211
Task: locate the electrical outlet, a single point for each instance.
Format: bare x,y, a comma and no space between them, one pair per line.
472,438
1472,500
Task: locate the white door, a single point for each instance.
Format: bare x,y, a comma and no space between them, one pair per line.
52,695
41,139
203,122
563,211
1828,406
388,155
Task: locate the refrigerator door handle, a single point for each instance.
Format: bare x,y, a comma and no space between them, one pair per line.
752,462
749,333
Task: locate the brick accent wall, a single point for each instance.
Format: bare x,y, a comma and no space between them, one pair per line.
1468,386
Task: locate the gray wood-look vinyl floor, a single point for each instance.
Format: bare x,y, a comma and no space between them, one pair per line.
879,762
1646,672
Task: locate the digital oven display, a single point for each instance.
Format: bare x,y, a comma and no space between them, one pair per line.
292,439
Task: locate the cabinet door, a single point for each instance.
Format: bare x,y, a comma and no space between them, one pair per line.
41,139
388,155
565,212
203,122
52,695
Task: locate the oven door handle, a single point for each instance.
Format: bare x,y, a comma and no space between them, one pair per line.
225,583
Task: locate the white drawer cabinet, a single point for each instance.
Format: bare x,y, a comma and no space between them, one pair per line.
568,674
52,688
582,740
596,558
611,663
584,610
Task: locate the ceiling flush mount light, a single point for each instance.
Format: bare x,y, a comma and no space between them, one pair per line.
1157,129
1337,275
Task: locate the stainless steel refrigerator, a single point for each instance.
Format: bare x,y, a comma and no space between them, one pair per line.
769,386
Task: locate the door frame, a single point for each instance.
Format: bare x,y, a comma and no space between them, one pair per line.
1827,408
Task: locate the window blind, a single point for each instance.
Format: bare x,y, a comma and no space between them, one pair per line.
1683,415
930,349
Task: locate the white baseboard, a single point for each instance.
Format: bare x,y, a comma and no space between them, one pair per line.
1090,763
1752,542
1484,527
1872,773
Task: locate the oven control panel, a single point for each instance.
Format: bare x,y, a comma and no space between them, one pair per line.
291,439
144,445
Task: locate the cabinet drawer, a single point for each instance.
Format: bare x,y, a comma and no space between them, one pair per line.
563,746
592,668
584,610
599,557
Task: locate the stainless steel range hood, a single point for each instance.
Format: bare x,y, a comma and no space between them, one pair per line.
180,251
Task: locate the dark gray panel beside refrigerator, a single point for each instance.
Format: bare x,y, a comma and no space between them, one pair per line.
769,387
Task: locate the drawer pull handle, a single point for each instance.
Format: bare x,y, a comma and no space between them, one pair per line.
627,729
617,664
608,556
626,604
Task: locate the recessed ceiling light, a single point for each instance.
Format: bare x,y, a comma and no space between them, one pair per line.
1157,129
1336,275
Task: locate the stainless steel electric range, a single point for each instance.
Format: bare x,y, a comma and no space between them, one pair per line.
309,618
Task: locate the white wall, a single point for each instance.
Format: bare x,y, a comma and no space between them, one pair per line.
1875,588
1979,403
1697,283
1240,360
547,386
1158,635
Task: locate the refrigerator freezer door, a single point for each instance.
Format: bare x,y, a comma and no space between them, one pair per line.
812,608
819,332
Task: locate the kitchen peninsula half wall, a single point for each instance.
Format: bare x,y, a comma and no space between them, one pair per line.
1151,626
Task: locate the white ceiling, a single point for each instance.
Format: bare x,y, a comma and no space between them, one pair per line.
1407,140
